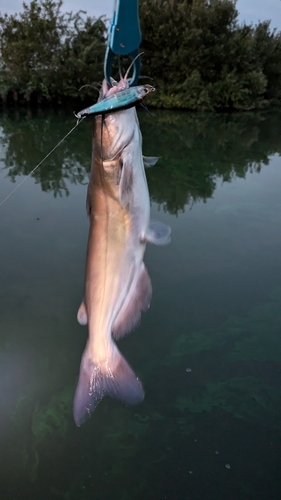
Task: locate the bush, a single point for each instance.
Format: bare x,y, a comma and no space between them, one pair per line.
198,55
201,58
49,53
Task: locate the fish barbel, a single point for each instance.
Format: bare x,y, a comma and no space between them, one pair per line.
117,285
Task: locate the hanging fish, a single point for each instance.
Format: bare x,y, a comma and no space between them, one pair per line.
117,284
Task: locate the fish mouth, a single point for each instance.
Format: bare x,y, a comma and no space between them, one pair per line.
113,133
115,129
110,149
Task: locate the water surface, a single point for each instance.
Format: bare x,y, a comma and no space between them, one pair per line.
209,349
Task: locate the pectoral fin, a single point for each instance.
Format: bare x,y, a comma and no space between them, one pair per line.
137,301
158,233
149,161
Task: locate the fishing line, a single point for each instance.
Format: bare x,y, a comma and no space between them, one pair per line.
40,163
88,85
101,131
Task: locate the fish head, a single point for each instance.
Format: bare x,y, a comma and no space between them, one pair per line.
114,131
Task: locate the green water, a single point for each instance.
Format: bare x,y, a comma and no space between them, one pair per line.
209,349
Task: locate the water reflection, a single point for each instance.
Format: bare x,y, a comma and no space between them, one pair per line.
195,150
27,136
199,148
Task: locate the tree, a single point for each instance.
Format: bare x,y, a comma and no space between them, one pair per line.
47,52
201,58
83,54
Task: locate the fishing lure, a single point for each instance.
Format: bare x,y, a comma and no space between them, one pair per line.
123,99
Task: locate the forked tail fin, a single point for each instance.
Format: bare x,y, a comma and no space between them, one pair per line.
113,376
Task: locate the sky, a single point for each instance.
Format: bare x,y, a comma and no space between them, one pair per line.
250,11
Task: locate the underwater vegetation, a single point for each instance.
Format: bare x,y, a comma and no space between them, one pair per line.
242,381
36,422
255,337
247,351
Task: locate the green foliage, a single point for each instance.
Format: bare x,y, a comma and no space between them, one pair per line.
201,58
54,418
195,50
84,54
46,52
268,49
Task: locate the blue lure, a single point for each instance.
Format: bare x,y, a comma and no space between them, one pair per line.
122,99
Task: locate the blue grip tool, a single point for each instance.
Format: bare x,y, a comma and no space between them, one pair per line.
124,37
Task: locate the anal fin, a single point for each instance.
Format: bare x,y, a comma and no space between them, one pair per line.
137,301
150,161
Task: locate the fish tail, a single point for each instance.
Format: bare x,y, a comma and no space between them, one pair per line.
113,377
